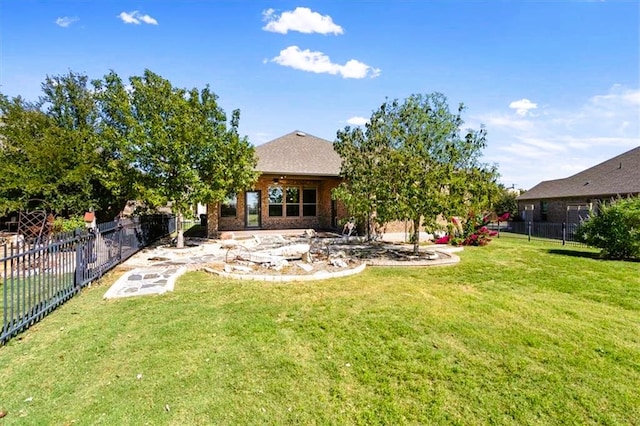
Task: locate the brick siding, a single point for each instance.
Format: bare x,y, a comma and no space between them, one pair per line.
322,220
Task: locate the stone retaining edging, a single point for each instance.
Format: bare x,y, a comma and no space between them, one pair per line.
450,259
320,275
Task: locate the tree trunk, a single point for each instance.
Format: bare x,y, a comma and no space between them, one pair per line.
180,238
416,235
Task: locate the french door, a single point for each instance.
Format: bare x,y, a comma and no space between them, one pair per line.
252,210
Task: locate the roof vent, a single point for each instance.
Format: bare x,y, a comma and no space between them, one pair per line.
303,134
587,183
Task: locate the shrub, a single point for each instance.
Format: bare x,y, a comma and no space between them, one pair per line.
507,203
473,232
443,240
68,224
505,217
615,230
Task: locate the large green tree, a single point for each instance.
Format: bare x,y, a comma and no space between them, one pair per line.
413,162
21,160
99,145
49,148
121,180
180,141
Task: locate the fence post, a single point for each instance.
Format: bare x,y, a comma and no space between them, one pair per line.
564,232
22,304
5,286
529,230
119,229
79,259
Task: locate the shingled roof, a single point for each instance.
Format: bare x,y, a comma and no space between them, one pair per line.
619,175
298,153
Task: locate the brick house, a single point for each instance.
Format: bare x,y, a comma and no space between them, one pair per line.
297,173
563,200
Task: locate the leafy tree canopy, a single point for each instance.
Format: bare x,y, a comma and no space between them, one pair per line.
413,162
48,149
506,203
98,144
178,140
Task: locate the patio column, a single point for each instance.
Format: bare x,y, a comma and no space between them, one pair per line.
212,220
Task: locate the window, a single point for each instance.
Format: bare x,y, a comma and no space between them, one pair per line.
229,206
290,201
544,210
309,201
275,200
293,201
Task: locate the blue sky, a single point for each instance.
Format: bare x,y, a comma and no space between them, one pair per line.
556,83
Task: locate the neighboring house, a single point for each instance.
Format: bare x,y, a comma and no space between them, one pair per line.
298,173
565,200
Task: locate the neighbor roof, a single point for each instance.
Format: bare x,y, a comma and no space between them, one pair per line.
298,153
619,175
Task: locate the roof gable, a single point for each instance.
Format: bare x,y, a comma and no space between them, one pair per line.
298,153
618,175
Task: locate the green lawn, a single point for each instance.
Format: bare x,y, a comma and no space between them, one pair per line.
517,333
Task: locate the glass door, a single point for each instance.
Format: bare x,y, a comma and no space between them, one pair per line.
252,210
334,214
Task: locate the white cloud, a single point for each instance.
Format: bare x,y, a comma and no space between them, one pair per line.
129,18
524,151
561,142
302,19
148,20
506,121
65,21
617,95
523,106
136,18
318,62
543,144
585,143
357,121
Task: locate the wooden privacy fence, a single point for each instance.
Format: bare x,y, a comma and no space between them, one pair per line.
38,277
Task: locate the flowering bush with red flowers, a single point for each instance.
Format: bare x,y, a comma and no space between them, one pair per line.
474,231
504,217
443,240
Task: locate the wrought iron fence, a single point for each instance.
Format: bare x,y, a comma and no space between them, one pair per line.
561,233
37,278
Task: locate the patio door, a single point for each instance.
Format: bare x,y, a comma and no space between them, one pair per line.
334,214
252,210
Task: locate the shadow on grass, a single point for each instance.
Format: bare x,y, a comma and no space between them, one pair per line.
576,253
585,254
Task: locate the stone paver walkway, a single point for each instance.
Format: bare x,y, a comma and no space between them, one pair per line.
139,282
155,270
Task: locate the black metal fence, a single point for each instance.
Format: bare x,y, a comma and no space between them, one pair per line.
560,233
37,278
